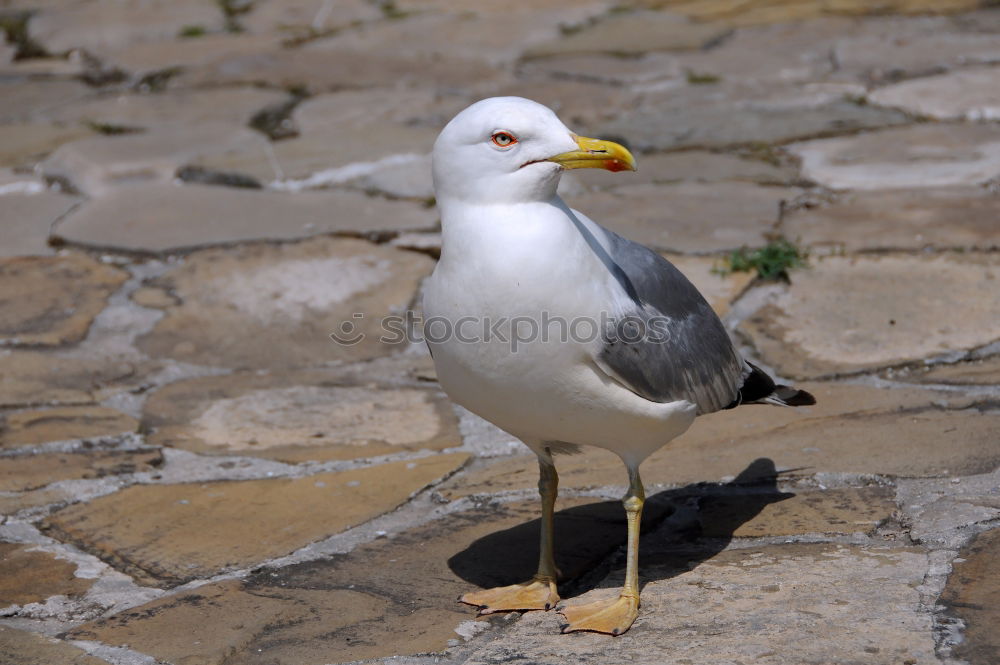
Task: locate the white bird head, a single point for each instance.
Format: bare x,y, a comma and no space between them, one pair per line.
511,150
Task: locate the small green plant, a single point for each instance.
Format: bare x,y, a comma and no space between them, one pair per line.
772,261
192,31
695,78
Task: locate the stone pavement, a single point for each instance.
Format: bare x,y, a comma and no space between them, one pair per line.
194,195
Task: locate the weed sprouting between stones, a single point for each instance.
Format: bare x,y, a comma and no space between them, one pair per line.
772,261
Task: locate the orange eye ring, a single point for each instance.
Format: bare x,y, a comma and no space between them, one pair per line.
503,139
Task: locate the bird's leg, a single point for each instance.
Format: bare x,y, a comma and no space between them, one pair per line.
615,615
539,593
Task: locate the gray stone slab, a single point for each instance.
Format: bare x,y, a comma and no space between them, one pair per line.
27,212
165,217
923,155
967,94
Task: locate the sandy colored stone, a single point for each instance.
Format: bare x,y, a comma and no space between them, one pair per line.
388,597
688,217
27,648
719,290
984,371
263,306
27,219
25,144
51,301
836,511
98,165
30,472
967,94
29,428
32,378
845,315
970,595
692,165
632,32
162,217
205,528
299,416
107,24
916,438
371,129
148,296
918,156
758,604
34,101
31,576
939,218
186,109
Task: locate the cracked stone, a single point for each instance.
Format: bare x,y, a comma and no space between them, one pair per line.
18,474
33,427
299,416
27,648
969,94
31,576
783,11
32,378
389,597
845,315
971,595
27,218
23,145
185,109
922,433
689,217
938,218
103,25
163,217
984,372
275,306
203,529
918,156
759,603
51,301
98,165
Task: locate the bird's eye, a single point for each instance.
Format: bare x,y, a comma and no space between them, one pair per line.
503,139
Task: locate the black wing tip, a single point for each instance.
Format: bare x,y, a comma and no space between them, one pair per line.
794,396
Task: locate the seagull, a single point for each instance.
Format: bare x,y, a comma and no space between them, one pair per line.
563,333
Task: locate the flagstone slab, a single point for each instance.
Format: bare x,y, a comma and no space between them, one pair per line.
202,529
690,165
632,32
51,301
151,57
33,101
30,472
36,426
909,219
844,315
390,597
97,165
815,601
688,217
921,433
153,218
304,17
300,416
782,11
24,144
276,306
967,94
922,155
33,378
31,576
26,648
185,109
969,595
106,24
27,218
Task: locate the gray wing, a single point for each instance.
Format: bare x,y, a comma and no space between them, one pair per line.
684,351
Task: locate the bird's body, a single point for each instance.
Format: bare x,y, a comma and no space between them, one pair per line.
561,332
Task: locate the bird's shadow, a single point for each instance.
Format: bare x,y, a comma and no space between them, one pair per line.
681,528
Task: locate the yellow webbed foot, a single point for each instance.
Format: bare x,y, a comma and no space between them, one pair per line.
538,594
612,616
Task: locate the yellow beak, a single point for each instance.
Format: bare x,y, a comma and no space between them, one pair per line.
596,154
